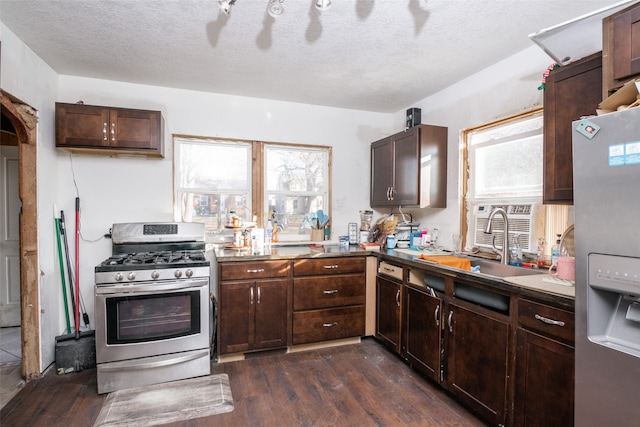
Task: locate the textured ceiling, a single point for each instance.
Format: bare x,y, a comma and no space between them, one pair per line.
373,55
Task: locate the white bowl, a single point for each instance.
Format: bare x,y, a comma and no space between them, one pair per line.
403,245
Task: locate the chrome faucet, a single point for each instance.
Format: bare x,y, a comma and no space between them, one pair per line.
505,241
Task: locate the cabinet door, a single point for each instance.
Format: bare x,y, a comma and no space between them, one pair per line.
236,315
422,332
406,168
79,125
476,361
135,129
271,304
381,172
571,92
626,54
544,381
388,313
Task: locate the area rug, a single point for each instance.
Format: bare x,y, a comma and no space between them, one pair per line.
168,402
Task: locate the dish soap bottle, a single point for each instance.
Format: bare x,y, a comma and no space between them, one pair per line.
555,249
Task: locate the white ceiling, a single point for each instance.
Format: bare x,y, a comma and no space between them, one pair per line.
373,55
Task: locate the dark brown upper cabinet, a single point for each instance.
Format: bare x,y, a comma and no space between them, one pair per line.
410,169
107,130
620,48
571,91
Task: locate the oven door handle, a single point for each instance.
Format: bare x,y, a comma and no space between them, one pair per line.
150,287
132,365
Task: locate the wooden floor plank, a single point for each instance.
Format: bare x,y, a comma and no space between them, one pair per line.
358,385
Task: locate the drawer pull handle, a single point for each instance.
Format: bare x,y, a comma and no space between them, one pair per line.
390,270
330,325
449,321
330,291
104,131
251,295
549,321
398,297
328,267
436,315
113,131
257,270
258,294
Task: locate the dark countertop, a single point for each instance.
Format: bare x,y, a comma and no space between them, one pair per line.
276,252
290,252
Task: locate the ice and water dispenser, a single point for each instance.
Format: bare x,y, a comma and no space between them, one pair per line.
614,302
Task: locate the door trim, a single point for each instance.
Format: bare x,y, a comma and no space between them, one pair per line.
24,119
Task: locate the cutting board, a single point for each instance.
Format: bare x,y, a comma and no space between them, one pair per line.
538,282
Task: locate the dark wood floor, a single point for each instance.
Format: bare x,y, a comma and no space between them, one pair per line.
352,385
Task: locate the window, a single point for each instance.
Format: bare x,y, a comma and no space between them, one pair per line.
213,178
504,165
296,187
505,160
255,179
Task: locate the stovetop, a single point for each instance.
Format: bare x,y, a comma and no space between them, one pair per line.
153,260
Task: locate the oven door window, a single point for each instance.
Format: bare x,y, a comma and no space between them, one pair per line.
152,317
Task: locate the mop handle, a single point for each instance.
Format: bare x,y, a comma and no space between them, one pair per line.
77,316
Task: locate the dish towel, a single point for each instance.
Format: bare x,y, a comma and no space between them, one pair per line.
449,260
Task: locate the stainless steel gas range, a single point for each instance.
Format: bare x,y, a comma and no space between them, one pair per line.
152,304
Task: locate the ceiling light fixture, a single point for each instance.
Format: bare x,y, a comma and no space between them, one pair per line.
275,8
323,4
225,5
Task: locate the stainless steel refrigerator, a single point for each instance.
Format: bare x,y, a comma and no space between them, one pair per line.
606,174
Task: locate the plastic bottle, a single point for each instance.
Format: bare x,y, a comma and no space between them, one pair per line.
555,249
268,233
230,216
540,252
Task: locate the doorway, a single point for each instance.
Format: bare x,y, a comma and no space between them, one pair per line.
23,121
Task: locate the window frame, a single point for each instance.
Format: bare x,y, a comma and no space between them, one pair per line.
555,215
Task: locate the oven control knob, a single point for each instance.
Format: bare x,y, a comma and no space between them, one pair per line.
178,274
118,277
131,276
189,272
155,275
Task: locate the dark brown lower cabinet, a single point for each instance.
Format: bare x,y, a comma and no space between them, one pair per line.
388,312
253,315
544,381
476,355
544,365
422,344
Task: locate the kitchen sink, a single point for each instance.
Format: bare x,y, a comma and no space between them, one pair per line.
494,268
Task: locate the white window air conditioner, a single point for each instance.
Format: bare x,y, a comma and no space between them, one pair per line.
526,224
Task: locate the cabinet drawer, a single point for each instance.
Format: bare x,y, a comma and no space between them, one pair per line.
317,267
326,325
546,319
390,270
333,291
253,270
